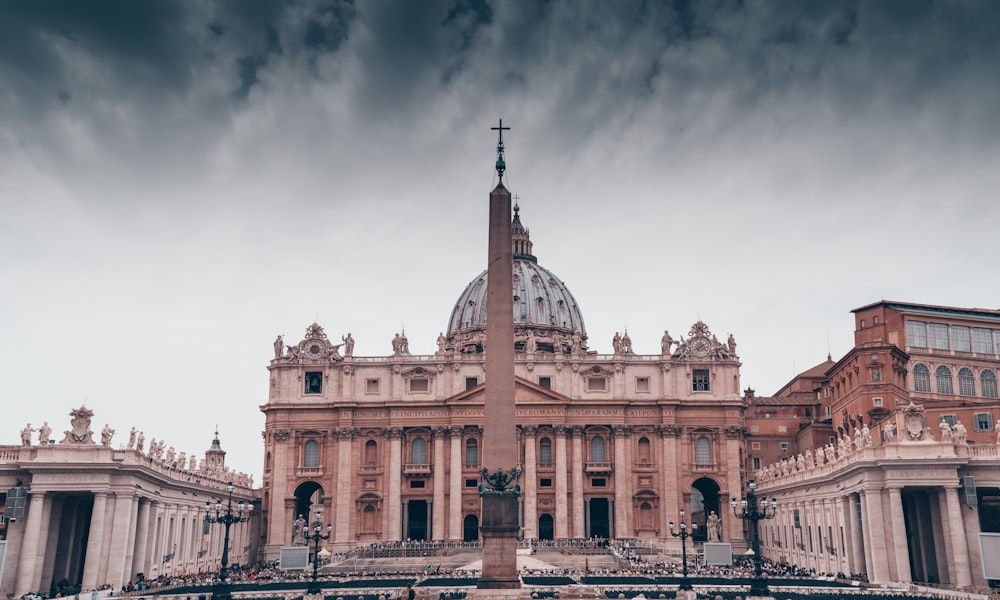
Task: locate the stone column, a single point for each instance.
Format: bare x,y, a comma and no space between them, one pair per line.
92,563
530,492
29,561
121,527
345,459
141,540
878,552
393,506
901,545
560,526
959,564
579,458
455,487
668,473
437,514
623,476
52,514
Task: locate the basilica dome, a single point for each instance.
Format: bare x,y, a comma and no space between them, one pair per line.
546,315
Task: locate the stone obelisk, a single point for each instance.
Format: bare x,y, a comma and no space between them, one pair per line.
499,489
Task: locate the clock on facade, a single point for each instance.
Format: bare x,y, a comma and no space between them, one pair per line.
700,346
314,349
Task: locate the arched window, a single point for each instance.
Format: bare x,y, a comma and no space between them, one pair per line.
988,383
597,449
966,382
310,455
545,451
418,452
371,453
944,384
644,452
471,453
703,451
921,378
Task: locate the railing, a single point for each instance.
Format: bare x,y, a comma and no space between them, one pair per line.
411,469
599,467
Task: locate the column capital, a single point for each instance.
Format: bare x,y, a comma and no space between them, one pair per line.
576,431
622,430
455,431
561,430
392,433
529,430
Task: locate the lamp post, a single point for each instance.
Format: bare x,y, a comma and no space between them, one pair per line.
750,509
684,535
317,535
227,517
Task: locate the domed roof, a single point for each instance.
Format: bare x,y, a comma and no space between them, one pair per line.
542,304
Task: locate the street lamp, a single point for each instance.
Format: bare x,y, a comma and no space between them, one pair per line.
749,509
317,535
227,517
684,535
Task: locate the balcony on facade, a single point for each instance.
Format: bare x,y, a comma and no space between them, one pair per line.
596,468
412,470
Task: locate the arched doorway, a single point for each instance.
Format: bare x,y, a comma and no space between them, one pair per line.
308,498
470,528
704,500
546,530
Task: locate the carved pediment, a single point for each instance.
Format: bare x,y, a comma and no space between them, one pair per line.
703,345
418,372
596,371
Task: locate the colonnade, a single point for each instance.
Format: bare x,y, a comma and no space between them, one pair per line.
887,532
118,533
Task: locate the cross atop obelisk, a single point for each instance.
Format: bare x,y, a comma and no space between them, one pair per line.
499,489
501,165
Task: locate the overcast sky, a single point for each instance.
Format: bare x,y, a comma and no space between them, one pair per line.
182,181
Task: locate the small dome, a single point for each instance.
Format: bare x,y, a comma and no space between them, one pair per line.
542,304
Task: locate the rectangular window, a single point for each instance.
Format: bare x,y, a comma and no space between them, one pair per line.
876,401
809,529
371,386
756,463
796,517
471,382
419,384
829,411
862,323
982,421
916,334
938,333
754,428
598,482
596,384
755,445
982,340
545,482
545,382
416,484
960,339
783,445
782,428
471,483
699,379
949,419
642,384
314,382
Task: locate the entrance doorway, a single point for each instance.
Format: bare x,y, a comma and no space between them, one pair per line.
704,501
470,528
545,529
416,520
600,521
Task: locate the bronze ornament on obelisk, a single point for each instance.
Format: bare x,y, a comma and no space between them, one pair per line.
499,488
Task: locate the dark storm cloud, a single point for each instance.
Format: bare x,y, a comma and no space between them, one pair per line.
159,84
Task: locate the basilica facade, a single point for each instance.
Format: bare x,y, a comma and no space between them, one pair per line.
611,445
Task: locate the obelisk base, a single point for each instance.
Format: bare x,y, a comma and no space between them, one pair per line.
499,529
